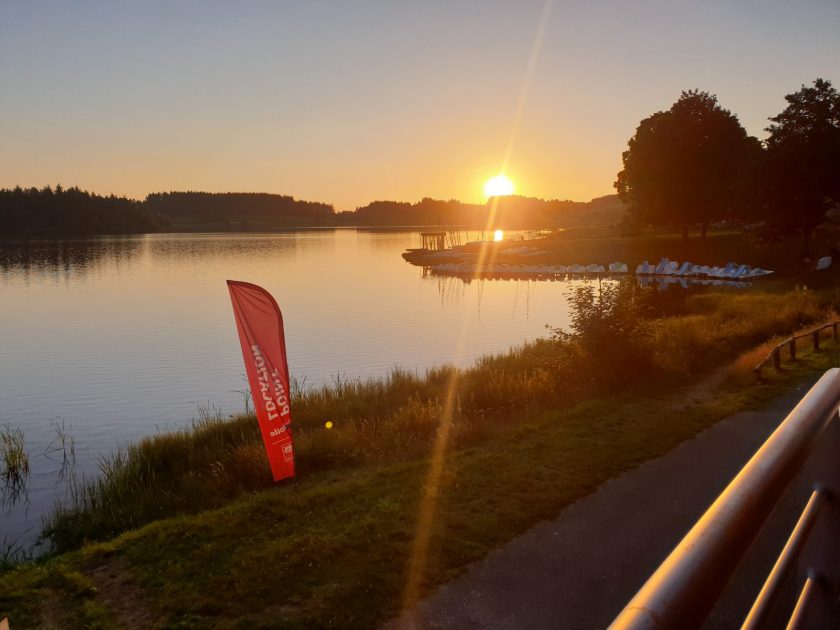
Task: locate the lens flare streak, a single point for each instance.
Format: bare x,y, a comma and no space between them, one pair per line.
419,558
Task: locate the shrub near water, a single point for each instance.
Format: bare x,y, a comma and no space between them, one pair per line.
614,343
610,331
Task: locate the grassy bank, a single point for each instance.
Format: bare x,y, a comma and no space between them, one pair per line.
397,419
333,552
207,541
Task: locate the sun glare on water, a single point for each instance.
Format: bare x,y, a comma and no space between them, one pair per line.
498,186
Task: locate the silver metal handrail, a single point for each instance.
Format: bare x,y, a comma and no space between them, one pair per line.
797,619
682,591
760,612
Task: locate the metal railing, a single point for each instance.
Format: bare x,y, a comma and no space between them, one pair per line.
683,590
775,354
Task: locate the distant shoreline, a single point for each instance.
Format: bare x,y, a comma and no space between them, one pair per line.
55,213
279,230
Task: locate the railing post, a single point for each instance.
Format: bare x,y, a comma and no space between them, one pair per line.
792,346
777,359
816,336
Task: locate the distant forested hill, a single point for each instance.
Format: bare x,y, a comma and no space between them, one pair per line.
425,212
512,212
202,210
71,213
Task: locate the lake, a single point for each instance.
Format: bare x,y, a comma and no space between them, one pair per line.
113,339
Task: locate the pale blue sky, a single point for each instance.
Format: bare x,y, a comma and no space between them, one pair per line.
346,102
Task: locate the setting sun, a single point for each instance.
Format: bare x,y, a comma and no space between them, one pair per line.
498,186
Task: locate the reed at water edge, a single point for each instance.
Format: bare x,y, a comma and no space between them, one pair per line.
14,465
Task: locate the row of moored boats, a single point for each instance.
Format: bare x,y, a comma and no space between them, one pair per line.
666,267
731,271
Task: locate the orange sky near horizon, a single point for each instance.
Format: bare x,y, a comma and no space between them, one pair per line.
347,104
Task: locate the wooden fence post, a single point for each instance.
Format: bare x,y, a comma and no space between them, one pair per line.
776,353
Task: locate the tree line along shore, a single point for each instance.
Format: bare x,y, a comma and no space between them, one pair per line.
68,213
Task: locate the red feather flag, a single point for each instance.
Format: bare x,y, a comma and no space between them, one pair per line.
260,326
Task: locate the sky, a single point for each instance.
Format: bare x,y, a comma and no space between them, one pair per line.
350,102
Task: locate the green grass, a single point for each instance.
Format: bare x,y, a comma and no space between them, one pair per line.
333,551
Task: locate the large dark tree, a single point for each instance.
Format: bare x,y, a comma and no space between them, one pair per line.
682,166
802,175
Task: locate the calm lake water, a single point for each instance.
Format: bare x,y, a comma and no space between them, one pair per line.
118,338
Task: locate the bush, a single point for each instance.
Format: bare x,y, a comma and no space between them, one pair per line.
611,331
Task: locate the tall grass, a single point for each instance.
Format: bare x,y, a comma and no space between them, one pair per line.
720,326
377,421
14,465
212,458
62,449
13,553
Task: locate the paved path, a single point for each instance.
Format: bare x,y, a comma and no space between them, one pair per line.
579,570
